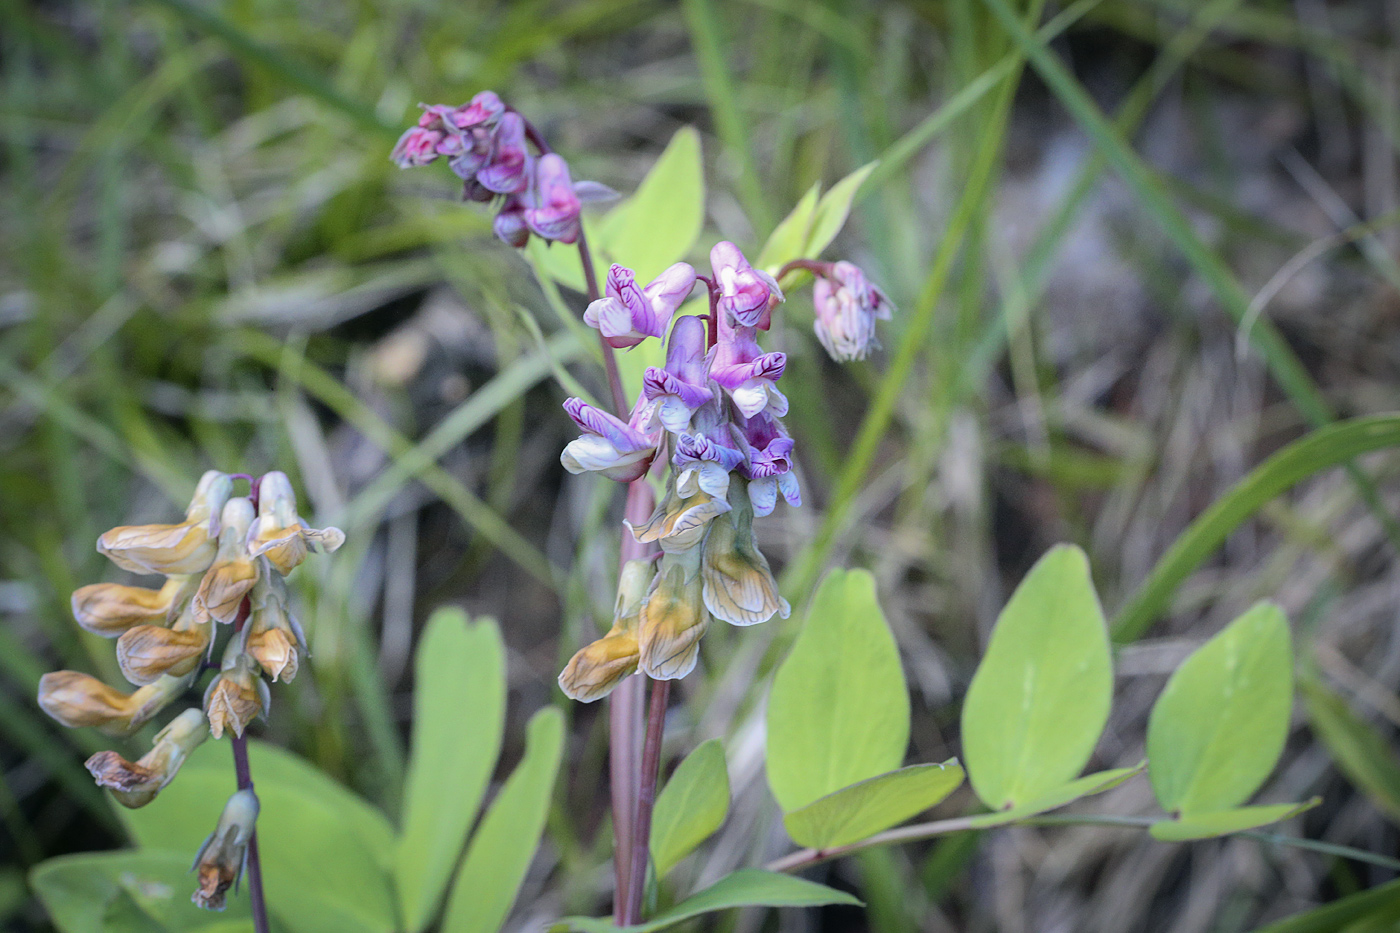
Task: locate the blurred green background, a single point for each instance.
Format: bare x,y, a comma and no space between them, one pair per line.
207,260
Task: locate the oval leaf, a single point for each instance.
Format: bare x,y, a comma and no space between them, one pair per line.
1363,754
749,887
788,239
325,852
659,224
1209,825
691,806
1039,700
459,705
871,806
82,892
1218,728
838,712
505,842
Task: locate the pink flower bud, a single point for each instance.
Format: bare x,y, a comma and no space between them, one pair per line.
847,307
555,213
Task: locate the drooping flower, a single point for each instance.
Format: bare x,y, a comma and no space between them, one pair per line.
628,314
746,294
234,571
598,667
847,306
481,112
224,855
275,639
673,618
679,522
76,700
187,547
738,585
619,451
108,609
145,653
279,533
509,225
768,466
555,209
238,695
746,373
683,386
508,170
704,460
135,784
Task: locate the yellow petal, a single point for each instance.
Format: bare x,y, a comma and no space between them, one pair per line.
275,654
738,584
145,653
222,590
673,619
596,669
109,609
168,549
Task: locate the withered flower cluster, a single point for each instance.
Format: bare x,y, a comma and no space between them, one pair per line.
224,565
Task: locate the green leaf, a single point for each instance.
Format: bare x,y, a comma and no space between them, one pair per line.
559,261
1340,914
748,887
691,806
838,712
504,844
1087,786
1218,728
144,890
326,853
787,240
1040,697
833,209
1363,754
1322,449
459,705
871,806
660,223
1208,825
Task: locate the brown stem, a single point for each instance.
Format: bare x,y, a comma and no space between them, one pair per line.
646,800
811,265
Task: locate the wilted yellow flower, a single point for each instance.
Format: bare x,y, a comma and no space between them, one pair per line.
274,638
279,533
233,572
77,700
147,652
679,522
673,618
598,667
135,784
108,609
238,694
222,858
738,585
188,547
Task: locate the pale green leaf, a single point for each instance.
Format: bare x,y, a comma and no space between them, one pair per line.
560,261
504,844
871,806
659,224
459,705
326,854
690,807
85,893
838,712
1218,728
749,887
1365,756
833,209
1224,822
1040,697
787,240
1087,786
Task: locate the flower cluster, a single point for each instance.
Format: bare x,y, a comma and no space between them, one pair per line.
714,410
486,145
224,565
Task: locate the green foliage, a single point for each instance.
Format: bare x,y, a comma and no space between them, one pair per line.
1219,726
838,712
749,887
691,806
504,843
459,706
1040,697
811,226
870,806
1355,912
1364,755
145,891
1224,822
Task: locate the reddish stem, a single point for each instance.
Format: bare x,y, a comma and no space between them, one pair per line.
811,265
244,775
646,800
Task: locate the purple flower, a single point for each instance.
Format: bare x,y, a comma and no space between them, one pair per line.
703,460
848,306
746,372
510,224
746,293
417,146
619,451
683,386
626,314
508,170
554,215
482,111
769,465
